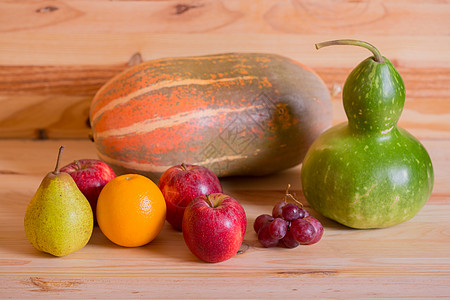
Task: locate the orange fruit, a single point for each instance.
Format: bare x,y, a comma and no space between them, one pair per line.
131,210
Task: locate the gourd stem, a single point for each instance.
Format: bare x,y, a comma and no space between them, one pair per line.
58,160
378,57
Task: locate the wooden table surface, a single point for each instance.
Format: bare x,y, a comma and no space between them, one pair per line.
404,261
54,56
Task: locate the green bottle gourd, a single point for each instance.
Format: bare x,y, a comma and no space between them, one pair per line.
368,173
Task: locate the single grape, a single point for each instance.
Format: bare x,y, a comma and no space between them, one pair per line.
302,231
261,220
278,228
317,226
265,238
288,241
290,212
277,209
303,213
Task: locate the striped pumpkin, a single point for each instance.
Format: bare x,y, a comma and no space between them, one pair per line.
234,113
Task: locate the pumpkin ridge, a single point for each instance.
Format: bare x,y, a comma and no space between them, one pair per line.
160,69
161,85
150,125
236,114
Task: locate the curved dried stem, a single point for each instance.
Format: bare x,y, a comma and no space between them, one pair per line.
377,55
290,196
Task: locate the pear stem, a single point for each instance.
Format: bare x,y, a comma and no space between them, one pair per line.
58,160
377,55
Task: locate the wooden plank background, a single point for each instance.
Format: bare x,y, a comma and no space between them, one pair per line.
54,55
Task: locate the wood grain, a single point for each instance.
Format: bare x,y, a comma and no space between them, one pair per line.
408,260
253,16
73,48
55,54
104,32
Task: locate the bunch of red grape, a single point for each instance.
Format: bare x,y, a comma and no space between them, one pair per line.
289,225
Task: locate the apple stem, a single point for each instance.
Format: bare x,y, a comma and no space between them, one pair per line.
183,166
377,55
58,160
209,200
78,164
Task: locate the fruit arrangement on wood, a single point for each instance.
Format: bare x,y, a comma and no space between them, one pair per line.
186,122
233,113
131,209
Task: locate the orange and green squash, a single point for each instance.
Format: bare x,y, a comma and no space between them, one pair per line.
234,113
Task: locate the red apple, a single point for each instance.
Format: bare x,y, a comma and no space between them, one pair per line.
90,175
214,227
180,184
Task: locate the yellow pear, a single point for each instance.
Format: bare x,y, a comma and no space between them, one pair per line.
59,218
